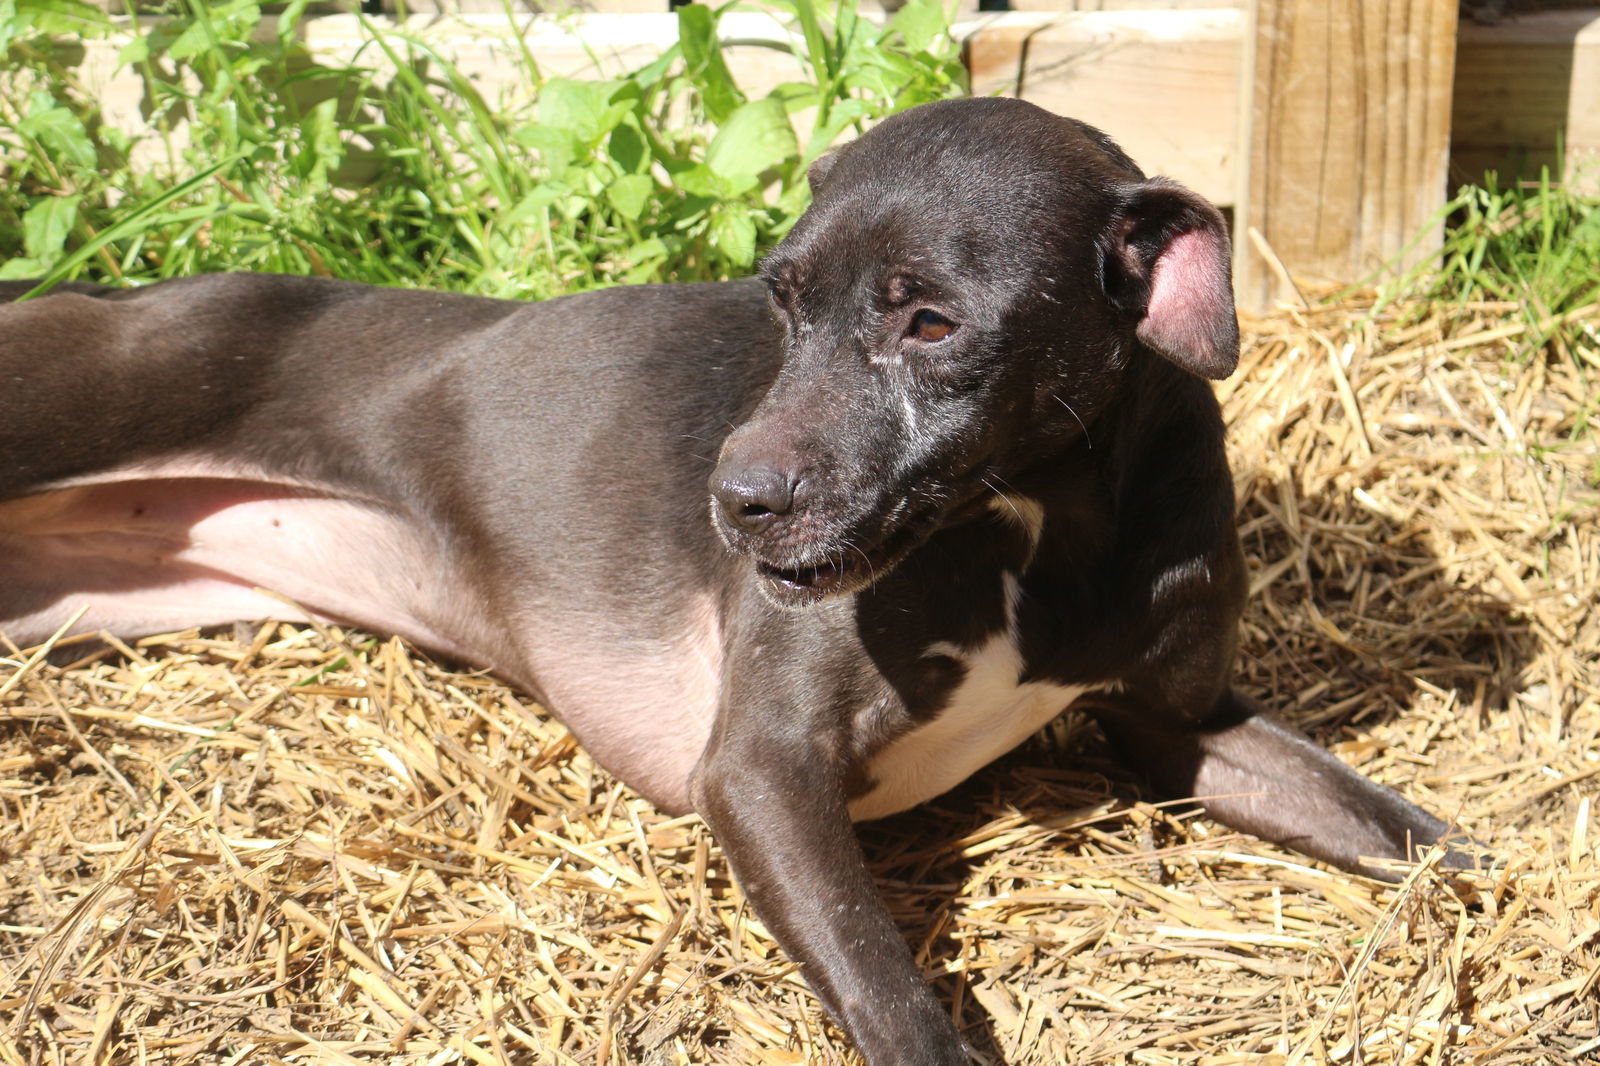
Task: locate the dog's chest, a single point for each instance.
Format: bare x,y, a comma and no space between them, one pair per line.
989,712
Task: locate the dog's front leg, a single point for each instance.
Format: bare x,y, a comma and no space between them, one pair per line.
1254,772
772,787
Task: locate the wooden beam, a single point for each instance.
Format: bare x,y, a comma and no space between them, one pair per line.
1347,130
1525,88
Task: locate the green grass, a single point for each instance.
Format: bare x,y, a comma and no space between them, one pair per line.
392,168
1535,244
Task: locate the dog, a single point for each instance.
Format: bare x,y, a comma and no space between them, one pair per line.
962,466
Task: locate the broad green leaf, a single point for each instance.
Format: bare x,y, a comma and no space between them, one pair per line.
134,52
20,269
59,130
196,39
543,195
557,147
733,233
46,225
53,16
647,249
644,260
630,194
796,95
702,55
919,23
701,180
628,148
652,74
582,108
756,137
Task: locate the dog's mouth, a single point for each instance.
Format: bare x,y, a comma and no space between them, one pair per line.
820,579
839,571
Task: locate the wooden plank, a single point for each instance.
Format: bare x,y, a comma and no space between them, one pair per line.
1524,87
1164,84
1347,125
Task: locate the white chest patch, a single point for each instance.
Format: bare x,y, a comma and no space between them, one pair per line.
989,713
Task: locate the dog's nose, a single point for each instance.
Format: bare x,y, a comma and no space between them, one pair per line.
755,497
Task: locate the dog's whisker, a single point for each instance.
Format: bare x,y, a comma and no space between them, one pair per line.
1001,478
872,575
1089,443
1009,502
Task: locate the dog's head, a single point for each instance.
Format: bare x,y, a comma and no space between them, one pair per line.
960,302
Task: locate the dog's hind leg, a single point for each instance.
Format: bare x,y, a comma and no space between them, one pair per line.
1252,771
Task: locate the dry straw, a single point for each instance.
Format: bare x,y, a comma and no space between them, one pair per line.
291,845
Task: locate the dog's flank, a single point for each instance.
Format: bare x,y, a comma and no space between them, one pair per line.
965,473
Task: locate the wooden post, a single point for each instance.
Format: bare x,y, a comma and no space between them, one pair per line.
1346,129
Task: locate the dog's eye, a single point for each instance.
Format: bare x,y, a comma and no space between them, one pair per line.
780,295
930,326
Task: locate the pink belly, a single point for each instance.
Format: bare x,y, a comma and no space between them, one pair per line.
143,556
142,553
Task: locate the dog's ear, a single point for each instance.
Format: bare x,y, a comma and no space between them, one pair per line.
818,171
1167,264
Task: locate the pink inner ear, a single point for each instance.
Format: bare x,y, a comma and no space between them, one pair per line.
1190,318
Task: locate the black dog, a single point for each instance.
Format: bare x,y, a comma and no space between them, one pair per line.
976,479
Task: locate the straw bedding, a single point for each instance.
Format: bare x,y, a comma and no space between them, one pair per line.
289,845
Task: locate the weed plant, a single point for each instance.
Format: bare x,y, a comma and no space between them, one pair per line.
1535,245
391,167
